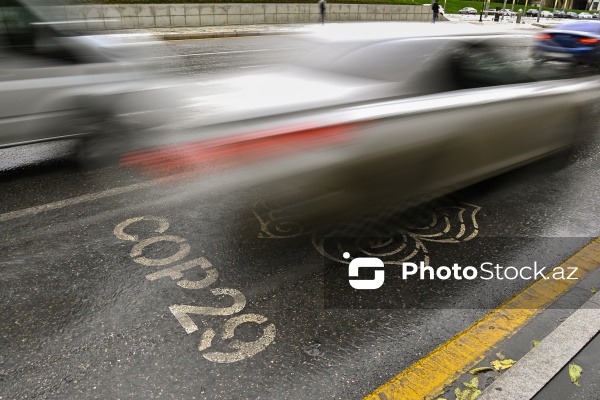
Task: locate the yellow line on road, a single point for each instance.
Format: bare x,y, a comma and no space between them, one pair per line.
427,378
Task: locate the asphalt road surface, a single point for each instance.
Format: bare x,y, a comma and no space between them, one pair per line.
112,286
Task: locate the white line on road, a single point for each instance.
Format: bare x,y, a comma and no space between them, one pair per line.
80,199
256,66
218,52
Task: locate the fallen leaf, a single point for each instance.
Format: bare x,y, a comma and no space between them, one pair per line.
479,370
535,343
473,384
575,373
500,356
594,290
503,364
476,393
462,395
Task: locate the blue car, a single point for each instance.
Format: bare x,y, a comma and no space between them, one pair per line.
577,41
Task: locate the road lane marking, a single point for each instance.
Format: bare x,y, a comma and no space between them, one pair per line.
163,225
136,251
245,349
78,200
427,378
181,312
175,273
256,66
217,52
92,196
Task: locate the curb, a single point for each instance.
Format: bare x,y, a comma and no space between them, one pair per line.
534,370
433,375
215,35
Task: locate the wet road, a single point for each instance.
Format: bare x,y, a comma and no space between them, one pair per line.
126,289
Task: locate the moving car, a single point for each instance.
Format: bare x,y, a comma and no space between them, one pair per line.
371,117
577,41
468,10
547,14
572,15
56,83
585,15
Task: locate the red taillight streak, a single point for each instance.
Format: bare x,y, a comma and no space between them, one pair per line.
542,36
191,146
244,151
588,41
229,152
200,148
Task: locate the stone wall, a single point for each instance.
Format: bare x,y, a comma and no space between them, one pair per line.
130,16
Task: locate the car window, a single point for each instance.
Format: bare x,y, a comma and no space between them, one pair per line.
17,30
394,60
21,32
591,27
478,65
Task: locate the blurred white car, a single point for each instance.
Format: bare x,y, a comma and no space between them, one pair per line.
468,11
55,84
547,14
367,119
585,15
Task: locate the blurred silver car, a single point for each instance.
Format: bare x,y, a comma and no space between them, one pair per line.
56,84
365,119
468,11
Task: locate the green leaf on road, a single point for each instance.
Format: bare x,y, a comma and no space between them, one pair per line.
594,290
575,373
462,395
474,384
503,364
535,343
479,370
476,393
500,356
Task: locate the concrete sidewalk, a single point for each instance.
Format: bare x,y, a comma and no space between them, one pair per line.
536,375
455,23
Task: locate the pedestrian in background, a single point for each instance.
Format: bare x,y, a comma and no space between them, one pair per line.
322,7
436,10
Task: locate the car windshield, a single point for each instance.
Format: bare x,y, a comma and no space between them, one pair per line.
591,27
393,60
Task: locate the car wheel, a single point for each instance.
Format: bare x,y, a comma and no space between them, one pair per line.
102,147
537,58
